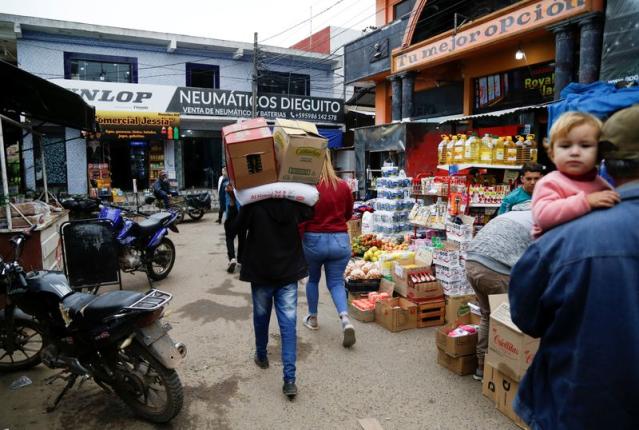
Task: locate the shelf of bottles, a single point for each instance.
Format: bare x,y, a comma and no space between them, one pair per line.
489,152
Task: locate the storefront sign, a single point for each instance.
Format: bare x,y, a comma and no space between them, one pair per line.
134,125
111,96
513,23
197,101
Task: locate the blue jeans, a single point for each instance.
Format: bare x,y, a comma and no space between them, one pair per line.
285,299
331,250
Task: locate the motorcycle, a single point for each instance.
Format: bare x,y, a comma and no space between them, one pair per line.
117,338
144,246
194,205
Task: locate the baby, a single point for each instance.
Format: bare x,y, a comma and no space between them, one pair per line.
575,188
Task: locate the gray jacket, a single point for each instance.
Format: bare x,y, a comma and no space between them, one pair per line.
501,242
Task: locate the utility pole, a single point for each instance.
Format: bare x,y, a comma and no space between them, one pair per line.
255,53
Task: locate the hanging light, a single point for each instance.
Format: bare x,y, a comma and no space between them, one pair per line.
520,54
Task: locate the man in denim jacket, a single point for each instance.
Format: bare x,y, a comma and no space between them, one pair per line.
577,288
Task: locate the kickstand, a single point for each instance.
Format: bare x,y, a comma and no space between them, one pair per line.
66,388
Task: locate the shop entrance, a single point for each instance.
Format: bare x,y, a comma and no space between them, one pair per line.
202,161
129,160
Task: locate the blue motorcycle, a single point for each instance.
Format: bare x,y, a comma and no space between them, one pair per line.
144,246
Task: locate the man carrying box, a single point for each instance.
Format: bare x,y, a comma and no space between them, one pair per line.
577,288
490,257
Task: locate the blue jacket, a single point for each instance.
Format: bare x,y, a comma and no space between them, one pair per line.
577,288
514,198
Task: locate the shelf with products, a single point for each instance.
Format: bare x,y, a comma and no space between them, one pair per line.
485,205
480,166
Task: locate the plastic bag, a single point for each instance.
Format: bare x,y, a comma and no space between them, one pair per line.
302,193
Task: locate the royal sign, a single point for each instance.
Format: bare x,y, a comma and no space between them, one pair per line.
512,23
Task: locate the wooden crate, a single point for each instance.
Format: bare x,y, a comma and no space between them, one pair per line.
431,314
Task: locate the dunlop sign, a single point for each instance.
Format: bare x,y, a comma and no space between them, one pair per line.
513,23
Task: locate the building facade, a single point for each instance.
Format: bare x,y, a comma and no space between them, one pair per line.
161,100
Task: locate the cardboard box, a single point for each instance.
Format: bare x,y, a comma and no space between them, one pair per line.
455,346
509,350
505,392
386,286
396,314
354,228
250,155
457,306
489,381
425,291
464,365
300,151
361,315
405,287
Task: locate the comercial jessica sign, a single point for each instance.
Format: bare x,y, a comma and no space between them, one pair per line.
111,96
513,22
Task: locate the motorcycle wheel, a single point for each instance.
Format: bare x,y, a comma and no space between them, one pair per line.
196,214
151,390
180,212
28,340
161,261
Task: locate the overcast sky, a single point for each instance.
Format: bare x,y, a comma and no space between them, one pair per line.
231,20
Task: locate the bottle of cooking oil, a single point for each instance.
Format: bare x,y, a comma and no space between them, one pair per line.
486,150
450,149
523,152
442,148
511,151
460,146
499,151
471,149
532,144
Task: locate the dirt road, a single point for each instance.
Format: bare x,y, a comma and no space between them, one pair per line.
392,377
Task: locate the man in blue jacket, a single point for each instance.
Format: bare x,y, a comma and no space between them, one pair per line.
577,288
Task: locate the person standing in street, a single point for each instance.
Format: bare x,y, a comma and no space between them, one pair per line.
326,244
221,194
529,174
232,210
272,260
577,288
489,259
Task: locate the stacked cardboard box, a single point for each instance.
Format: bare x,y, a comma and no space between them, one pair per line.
457,354
510,353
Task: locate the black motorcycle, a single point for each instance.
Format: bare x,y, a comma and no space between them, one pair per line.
194,205
115,338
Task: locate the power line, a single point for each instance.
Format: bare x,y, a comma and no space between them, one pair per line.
304,21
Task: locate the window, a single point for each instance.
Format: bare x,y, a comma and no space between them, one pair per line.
403,9
107,68
202,75
283,83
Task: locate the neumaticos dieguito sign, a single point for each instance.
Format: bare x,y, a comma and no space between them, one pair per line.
113,96
197,101
493,28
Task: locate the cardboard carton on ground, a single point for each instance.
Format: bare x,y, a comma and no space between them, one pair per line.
300,151
509,350
464,365
405,287
457,306
250,155
363,315
488,383
354,228
396,314
456,346
505,392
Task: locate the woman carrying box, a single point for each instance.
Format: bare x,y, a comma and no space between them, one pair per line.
326,243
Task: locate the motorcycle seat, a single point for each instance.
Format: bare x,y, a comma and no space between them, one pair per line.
153,223
90,308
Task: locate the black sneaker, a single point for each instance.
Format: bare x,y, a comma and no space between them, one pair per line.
290,390
231,267
479,374
261,363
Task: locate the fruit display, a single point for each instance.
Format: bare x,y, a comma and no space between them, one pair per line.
363,243
372,254
394,245
360,269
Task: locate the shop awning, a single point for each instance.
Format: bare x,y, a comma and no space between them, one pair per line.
460,117
29,95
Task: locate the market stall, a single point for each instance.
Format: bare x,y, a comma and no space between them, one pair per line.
26,99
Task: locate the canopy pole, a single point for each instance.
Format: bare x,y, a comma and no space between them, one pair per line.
44,171
5,184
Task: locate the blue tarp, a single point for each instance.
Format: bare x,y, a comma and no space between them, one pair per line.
599,98
335,137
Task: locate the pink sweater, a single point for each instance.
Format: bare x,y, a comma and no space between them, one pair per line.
558,199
